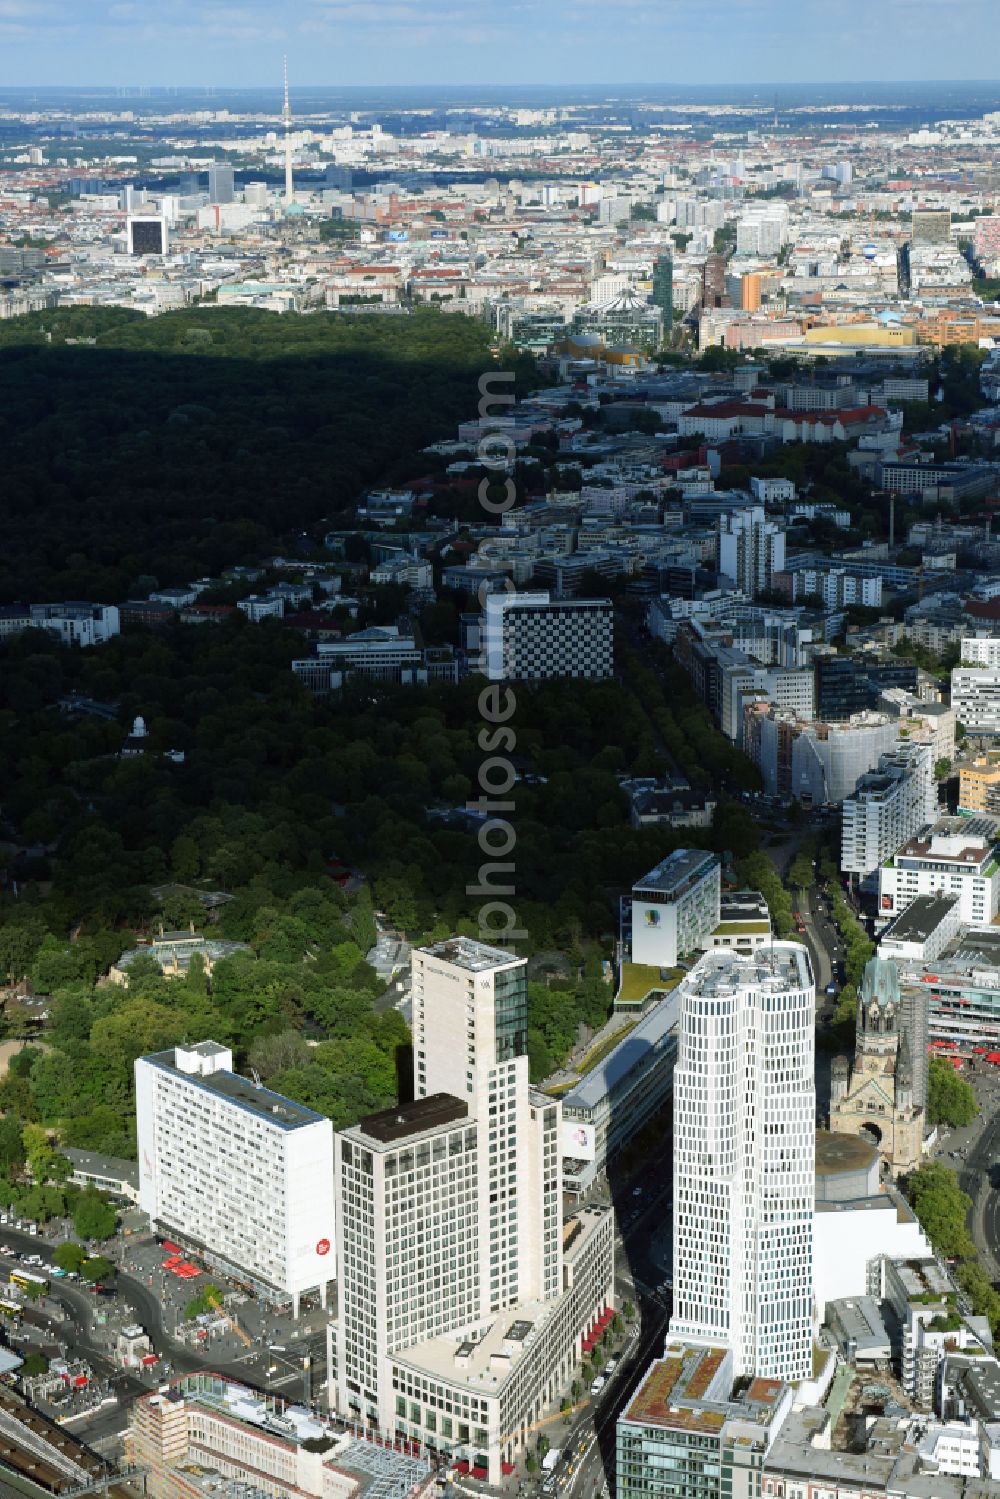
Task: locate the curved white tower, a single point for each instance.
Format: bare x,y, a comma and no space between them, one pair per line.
745,1158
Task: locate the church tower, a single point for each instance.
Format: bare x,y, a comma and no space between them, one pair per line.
876,1096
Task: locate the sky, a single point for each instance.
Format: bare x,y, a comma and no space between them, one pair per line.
128,43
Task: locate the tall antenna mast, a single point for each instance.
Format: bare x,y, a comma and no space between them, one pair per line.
286,115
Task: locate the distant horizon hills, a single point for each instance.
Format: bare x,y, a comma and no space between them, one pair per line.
934,97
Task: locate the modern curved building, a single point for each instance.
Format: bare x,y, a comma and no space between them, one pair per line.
745,1159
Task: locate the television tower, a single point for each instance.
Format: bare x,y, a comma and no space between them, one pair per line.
286,115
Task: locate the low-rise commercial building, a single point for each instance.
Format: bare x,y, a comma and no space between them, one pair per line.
961,989
203,1436
603,1111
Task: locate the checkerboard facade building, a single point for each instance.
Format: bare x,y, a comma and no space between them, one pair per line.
531,637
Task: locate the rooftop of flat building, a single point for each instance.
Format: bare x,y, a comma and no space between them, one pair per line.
379,1469
922,916
465,952
274,1107
422,1116
774,965
632,1051
681,1392
922,1277
676,870
955,840
744,905
841,1153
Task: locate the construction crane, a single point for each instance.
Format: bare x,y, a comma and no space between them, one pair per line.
214,1300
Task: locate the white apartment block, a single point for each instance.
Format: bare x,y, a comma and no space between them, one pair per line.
975,697
981,650
837,587
773,491
744,1159
76,623
237,1173
463,1300
532,637
762,231
673,908
258,606
890,805
957,856
751,549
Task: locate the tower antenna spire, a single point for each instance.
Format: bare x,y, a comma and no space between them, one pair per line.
286,115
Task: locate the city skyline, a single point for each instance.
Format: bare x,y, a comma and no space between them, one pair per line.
392,42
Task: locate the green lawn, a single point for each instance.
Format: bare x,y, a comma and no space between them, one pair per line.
640,979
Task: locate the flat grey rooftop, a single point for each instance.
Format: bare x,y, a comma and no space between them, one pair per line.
277,1109
467,953
920,918
676,870
416,1118
632,1050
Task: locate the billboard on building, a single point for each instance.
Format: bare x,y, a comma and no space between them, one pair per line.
579,1142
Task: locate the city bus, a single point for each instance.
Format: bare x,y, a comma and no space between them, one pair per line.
10,1308
27,1279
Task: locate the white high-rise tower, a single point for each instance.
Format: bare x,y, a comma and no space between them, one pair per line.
745,1158
286,115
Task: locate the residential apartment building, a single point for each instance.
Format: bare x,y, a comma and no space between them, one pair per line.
532,637
673,908
975,697
463,1298
837,587
78,623
240,1175
888,806
751,549
922,1295
689,1430
953,856
744,1159
979,786
981,650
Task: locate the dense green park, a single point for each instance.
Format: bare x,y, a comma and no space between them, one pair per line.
166,448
